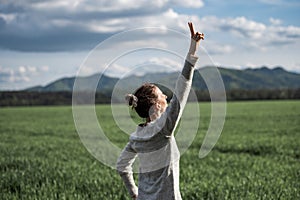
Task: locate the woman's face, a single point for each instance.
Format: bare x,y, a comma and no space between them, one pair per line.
161,100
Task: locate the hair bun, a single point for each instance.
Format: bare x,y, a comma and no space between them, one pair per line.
131,100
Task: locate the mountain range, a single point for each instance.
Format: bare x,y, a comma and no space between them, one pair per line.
247,79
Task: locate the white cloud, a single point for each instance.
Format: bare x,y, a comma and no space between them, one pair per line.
87,70
190,3
86,6
145,65
20,74
44,68
8,17
107,26
154,43
32,69
167,62
117,70
217,48
243,27
164,20
275,21
8,75
22,69
5,71
253,34
167,19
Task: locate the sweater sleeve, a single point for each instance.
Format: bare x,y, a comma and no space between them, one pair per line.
180,95
124,167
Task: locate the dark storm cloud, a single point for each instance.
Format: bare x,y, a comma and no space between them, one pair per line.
53,26
2,23
10,7
63,40
26,28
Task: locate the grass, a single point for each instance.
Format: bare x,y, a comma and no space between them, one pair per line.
256,157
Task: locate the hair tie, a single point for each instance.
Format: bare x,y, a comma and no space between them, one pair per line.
131,100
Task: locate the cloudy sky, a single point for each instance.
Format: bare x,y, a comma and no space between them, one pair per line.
41,41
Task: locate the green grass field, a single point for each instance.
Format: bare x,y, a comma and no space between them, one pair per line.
256,157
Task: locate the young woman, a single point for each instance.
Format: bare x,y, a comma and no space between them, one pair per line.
153,142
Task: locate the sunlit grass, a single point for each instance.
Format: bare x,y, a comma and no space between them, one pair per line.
256,157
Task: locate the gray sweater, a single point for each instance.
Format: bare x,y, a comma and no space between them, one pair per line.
156,148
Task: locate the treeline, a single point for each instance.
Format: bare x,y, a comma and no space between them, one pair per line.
259,94
26,98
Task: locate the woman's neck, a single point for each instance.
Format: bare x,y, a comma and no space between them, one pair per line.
148,120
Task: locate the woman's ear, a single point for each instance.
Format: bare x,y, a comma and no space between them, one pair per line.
158,106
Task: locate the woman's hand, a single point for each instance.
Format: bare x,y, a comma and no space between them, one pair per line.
198,36
195,39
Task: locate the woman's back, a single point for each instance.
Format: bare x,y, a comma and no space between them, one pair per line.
158,166
154,142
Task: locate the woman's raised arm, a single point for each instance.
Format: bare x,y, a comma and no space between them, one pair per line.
183,85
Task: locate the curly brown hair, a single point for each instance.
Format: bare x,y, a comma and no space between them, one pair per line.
146,97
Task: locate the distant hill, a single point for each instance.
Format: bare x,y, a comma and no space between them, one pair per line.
260,78
247,79
249,84
105,84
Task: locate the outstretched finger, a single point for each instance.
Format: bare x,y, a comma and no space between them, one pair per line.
191,28
200,36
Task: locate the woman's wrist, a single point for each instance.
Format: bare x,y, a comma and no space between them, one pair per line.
193,47
191,58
